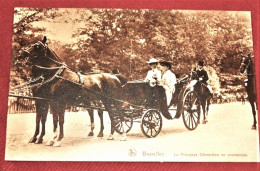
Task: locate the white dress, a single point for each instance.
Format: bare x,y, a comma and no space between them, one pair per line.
153,77
168,82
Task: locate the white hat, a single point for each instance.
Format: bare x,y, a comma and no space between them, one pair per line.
152,60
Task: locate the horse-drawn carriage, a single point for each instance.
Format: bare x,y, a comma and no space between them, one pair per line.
57,86
146,104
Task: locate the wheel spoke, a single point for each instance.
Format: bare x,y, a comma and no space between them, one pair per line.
155,130
147,130
189,121
195,116
186,113
120,128
128,125
186,118
193,122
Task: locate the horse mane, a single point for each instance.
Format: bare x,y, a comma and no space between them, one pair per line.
54,54
251,69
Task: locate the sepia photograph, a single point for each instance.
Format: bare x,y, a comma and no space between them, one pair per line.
103,84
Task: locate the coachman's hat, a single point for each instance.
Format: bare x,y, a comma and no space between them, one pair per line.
201,63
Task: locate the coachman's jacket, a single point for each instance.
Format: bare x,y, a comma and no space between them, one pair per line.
203,76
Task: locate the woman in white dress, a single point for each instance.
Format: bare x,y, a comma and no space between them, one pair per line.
154,75
168,79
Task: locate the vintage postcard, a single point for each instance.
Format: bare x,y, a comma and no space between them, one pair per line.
132,85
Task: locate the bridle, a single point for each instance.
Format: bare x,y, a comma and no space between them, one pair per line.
35,82
46,48
246,65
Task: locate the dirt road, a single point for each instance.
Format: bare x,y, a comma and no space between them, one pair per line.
226,137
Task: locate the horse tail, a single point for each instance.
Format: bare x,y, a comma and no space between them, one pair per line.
121,78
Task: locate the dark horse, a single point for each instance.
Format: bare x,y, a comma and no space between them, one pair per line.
247,67
203,93
62,86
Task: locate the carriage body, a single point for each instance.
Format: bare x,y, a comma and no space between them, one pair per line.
146,104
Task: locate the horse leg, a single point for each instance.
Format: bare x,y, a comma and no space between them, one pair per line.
91,115
111,116
43,121
252,103
203,104
61,113
100,114
111,136
207,106
55,126
34,138
39,113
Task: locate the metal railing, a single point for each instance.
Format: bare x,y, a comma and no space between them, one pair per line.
20,105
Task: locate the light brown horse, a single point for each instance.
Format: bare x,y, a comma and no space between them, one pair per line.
63,86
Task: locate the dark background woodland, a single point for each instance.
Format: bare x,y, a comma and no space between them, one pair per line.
106,39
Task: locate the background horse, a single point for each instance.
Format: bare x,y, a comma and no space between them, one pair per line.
63,86
247,67
203,93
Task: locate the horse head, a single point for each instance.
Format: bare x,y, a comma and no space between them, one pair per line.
32,54
245,63
38,54
194,75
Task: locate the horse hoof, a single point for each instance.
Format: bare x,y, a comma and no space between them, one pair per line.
123,138
90,134
204,121
110,137
50,143
32,140
39,141
57,144
253,127
100,135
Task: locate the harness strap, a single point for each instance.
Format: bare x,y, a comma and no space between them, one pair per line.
136,81
27,83
59,71
52,68
81,78
99,93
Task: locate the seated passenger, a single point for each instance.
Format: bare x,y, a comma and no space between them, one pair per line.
168,80
154,75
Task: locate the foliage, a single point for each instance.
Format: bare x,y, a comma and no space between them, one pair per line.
125,39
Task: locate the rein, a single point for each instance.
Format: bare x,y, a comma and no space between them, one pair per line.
20,87
46,68
101,94
57,74
27,84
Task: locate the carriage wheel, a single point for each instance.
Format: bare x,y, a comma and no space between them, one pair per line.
151,124
191,112
128,120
